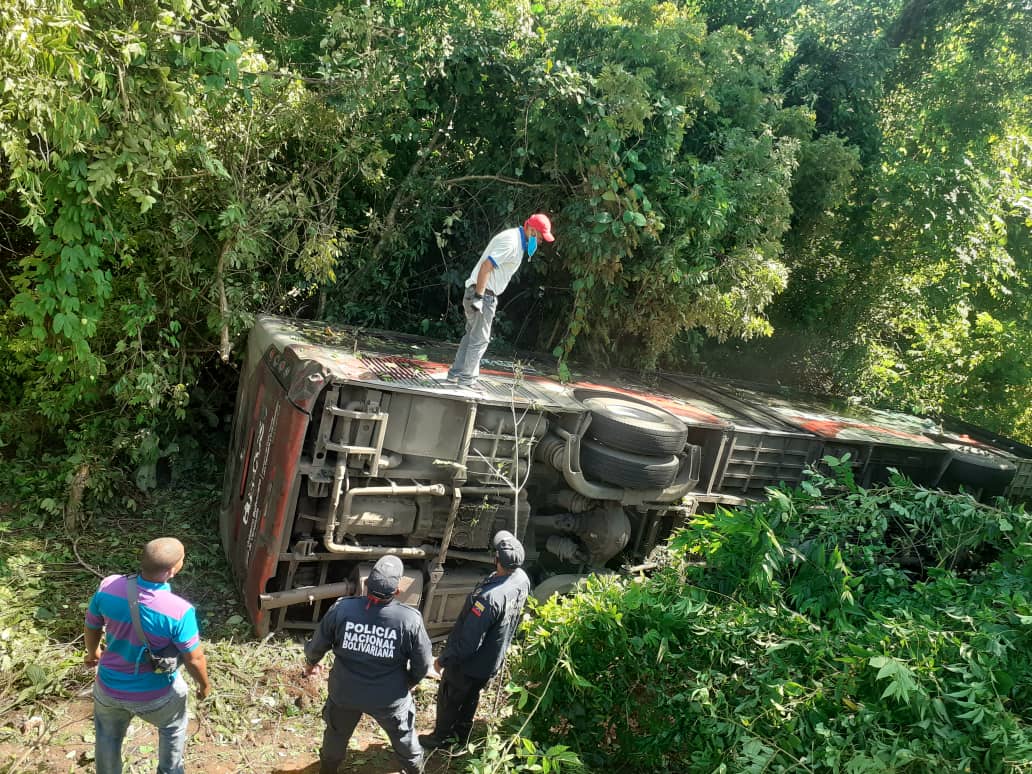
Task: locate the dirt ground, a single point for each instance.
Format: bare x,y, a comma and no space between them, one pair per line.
60,739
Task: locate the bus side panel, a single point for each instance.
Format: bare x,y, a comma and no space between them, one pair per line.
261,493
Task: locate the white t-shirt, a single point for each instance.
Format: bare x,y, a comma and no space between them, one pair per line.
506,251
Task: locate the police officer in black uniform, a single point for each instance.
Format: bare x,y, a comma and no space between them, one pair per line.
476,647
381,651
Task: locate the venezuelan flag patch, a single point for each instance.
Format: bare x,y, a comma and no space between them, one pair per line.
477,609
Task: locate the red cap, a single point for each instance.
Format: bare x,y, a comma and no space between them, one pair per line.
542,224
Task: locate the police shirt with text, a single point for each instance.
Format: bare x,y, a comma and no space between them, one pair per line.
486,625
381,651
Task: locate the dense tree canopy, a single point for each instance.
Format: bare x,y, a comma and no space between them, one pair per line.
850,179
919,294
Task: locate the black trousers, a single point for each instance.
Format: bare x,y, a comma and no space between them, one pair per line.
457,701
397,719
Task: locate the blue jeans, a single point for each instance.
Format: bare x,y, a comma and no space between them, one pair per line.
168,714
466,368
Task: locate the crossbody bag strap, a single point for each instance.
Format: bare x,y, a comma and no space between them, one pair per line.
133,598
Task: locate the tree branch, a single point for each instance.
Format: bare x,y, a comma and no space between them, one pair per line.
497,179
223,303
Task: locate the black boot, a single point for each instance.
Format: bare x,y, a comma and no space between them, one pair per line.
431,742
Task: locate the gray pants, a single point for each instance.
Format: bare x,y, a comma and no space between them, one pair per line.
397,719
466,367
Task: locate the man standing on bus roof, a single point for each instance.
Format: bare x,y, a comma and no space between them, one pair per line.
381,650
489,278
477,645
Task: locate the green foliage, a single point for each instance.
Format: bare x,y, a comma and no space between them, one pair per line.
830,628
676,187
914,291
175,183
32,664
655,144
854,175
496,755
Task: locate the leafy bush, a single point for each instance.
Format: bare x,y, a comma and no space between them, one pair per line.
502,755
829,628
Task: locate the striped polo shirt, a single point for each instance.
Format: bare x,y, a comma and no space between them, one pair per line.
124,672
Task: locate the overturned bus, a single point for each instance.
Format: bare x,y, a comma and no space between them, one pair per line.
347,445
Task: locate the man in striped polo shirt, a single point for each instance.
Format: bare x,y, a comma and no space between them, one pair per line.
126,683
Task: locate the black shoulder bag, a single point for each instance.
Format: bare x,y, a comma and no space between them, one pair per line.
168,659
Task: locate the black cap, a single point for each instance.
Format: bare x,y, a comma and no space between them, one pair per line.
509,550
384,579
